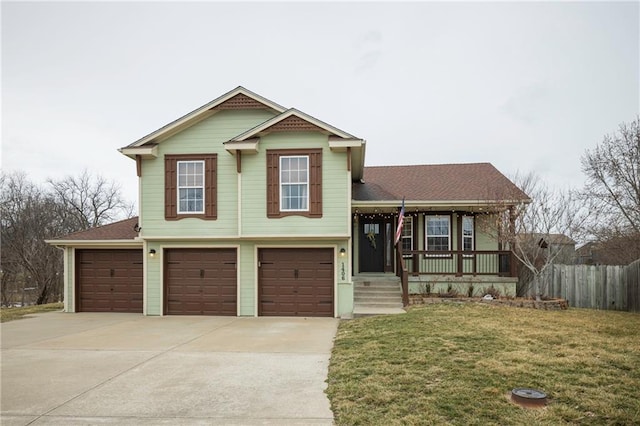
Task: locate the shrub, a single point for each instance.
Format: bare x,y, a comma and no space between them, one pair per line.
470,290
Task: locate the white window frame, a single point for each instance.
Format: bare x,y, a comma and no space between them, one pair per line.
407,235
305,183
472,236
426,232
180,187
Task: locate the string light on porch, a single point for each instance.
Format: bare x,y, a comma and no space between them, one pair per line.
375,215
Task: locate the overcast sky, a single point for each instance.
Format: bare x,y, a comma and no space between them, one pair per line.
525,86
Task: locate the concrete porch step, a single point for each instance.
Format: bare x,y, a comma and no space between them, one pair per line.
382,292
376,278
361,299
368,311
376,284
377,294
395,304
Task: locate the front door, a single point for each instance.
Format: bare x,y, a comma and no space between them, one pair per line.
372,245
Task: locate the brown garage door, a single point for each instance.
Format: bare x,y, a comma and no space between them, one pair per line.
200,281
296,282
109,281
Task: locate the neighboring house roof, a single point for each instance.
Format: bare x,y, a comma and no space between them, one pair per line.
545,239
122,230
475,182
560,239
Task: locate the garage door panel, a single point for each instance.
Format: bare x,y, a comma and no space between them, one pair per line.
296,282
109,280
201,281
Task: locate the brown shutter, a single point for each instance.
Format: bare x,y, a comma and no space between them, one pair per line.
170,183
315,183
273,187
210,187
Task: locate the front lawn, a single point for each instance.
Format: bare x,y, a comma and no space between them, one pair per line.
457,363
10,314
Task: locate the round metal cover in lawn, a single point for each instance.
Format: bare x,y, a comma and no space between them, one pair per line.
529,397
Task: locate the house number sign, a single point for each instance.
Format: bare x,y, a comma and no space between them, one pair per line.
342,273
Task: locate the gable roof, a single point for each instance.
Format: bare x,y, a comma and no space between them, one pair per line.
239,97
122,230
292,113
471,182
295,120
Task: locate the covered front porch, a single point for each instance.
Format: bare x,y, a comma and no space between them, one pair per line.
439,250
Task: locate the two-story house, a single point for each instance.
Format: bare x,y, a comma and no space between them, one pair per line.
248,208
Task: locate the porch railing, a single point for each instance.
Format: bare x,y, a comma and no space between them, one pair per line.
455,262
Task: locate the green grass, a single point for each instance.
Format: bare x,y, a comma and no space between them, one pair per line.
457,364
10,314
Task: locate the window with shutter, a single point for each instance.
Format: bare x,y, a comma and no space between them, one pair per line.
190,186
294,183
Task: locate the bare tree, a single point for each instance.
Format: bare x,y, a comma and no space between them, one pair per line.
613,191
534,231
90,201
31,269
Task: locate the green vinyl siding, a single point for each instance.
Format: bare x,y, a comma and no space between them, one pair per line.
335,190
207,136
153,281
251,229
484,239
69,274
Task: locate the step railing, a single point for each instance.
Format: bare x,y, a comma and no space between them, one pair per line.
403,273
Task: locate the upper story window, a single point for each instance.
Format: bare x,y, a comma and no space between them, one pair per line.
438,233
294,183
467,233
191,186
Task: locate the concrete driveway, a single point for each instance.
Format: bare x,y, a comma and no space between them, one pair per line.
67,369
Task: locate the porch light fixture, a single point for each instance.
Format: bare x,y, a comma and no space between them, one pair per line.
152,253
343,252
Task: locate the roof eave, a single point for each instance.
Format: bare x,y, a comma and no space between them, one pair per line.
96,243
249,146
147,151
433,203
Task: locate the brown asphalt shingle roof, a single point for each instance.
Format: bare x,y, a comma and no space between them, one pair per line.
122,230
436,182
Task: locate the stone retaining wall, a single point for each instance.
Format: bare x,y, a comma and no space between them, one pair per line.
547,305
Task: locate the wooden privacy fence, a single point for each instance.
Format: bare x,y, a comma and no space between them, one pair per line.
596,287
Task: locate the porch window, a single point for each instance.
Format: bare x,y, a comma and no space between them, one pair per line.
407,233
438,233
467,233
